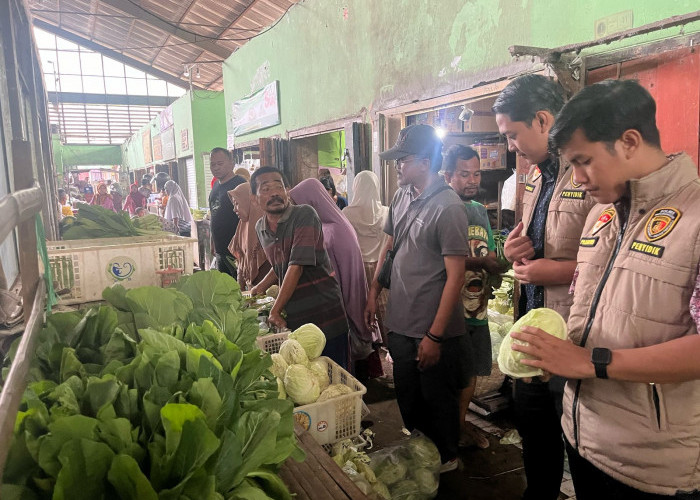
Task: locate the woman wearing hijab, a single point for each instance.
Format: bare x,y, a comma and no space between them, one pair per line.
245,245
103,198
177,209
367,216
346,257
135,200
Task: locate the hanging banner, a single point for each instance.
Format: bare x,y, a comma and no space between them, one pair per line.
167,141
166,118
157,149
146,143
185,139
257,111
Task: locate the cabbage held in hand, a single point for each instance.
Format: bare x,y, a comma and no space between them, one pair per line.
293,353
509,360
301,385
312,339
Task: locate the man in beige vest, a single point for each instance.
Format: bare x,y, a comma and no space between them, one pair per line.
632,398
542,249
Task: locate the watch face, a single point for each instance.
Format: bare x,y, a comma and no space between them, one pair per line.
601,355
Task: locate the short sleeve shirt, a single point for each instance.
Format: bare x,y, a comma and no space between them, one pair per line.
224,220
476,283
418,276
298,240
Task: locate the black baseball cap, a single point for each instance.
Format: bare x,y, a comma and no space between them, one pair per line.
414,140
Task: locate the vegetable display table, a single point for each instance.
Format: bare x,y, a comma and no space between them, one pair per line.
318,477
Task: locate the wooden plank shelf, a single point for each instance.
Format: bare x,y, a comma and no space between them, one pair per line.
318,477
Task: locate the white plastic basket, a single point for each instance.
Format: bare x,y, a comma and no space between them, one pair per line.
86,267
331,420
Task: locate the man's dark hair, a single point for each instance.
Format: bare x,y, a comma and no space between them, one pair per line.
526,95
221,150
604,111
457,152
328,184
261,171
61,192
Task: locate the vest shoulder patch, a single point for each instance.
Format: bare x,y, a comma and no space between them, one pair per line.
536,174
529,187
661,222
574,184
605,218
589,242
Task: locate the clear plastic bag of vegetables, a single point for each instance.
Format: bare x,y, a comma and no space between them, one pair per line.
409,470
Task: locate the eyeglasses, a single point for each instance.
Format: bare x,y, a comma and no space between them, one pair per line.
400,162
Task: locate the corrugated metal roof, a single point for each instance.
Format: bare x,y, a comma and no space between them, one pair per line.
166,34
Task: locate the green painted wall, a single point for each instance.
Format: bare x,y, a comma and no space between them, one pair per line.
209,123
73,155
337,58
202,116
330,149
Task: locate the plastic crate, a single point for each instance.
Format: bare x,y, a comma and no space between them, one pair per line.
332,420
84,268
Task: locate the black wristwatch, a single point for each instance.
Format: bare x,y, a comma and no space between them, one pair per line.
601,358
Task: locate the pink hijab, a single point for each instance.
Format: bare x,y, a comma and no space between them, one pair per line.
344,251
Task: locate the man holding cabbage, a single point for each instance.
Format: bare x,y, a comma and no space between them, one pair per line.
542,249
632,398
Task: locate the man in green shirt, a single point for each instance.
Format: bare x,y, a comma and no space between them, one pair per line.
463,174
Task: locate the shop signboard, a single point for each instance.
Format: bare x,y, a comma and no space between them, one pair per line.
167,144
166,118
146,143
157,148
257,111
185,139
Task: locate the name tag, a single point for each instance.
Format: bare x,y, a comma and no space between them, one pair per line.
573,194
588,242
647,248
529,188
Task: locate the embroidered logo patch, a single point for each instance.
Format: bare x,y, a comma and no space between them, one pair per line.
536,174
605,218
529,188
588,242
573,183
573,194
647,248
661,223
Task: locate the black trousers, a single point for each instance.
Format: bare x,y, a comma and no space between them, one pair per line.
538,419
429,399
591,483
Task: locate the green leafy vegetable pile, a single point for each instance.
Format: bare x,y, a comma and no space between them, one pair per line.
159,395
94,221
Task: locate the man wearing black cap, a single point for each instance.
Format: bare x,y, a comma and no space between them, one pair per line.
427,225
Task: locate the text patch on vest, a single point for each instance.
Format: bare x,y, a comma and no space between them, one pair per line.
573,194
529,188
588,242
647,248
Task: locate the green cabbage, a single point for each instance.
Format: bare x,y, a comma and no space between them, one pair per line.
273,291
427,480
406,490
509,360
293,353
381,490
320,368
312,339
423,452
280,389
391,470
279,365
301,384
334,391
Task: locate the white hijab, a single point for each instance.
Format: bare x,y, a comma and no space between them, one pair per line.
367,215
177,206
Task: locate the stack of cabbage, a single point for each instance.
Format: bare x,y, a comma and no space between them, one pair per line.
502,301
301,375
499,326
409,470
547,320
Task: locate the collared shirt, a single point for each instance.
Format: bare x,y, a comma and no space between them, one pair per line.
224,220
298,241
534,294
418,276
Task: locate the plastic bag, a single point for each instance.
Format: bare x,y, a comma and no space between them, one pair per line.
410,469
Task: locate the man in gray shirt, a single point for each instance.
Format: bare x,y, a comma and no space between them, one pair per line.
425,320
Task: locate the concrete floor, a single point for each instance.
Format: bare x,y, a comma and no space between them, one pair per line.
494,473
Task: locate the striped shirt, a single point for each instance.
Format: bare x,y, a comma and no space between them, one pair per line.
299,241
